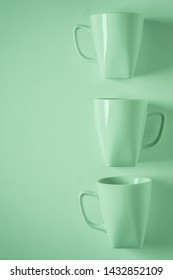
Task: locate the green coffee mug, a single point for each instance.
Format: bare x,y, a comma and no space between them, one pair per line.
117,39
125,207
120,125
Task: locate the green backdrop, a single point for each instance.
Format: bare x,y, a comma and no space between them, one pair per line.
48,145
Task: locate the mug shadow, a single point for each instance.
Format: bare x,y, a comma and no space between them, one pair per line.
156,48
160,227
163,150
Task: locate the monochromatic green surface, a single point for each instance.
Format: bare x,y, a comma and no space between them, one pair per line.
49,149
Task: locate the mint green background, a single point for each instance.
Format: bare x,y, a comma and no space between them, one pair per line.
48,145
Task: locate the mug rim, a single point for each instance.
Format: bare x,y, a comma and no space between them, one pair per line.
118,99
107,180
117,13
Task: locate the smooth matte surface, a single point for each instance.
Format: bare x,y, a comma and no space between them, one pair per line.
48,145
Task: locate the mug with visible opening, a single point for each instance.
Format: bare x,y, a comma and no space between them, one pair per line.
120,125
117,40
125,207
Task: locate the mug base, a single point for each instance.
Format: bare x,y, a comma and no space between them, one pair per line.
117,77
126,248
121,164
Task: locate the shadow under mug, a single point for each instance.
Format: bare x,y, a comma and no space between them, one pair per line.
117,40
120,125
125,207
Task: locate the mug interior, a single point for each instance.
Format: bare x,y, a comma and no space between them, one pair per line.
124,180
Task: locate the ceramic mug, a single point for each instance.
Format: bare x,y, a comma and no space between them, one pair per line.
120,125
117,39
125,207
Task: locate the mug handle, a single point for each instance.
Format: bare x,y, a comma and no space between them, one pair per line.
76,41
100,227
160,133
